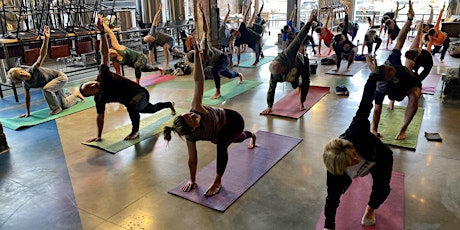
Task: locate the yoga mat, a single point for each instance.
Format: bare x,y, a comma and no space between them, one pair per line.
41,116
243,57
228,90
155,79
324,52
390,124
430,83
262,61
437,61
390,215
288,106
354,68
244,168
114,142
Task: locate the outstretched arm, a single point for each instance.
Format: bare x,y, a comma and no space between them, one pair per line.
205,22
156,18
405,29
228,14
438,22
397,11
246,11
261,8
104,46
328,18
44,49
430,18
253,18
198,77
113,38
293,13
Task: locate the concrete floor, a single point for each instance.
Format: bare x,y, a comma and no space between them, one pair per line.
49,180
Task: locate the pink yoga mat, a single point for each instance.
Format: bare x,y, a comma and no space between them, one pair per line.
324,51
354,68
155,79
437,61
430,83
244,168
390,215
288,106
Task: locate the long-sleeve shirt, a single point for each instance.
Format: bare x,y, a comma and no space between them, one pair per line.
424,60
439,37
367,145
339,48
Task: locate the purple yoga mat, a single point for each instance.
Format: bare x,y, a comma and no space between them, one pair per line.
245,166
390,215
288,106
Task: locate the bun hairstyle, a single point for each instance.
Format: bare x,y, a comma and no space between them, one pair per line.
179,126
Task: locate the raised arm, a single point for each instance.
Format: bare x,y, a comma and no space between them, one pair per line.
373,20
293,13
156,18
113,38
261,8
198,77
104,46
44,49
438,22
253,18
205,22
328,18
430,18
228,13
246,11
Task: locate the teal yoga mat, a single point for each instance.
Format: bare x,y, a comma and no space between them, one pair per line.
41,116
114,142
262,61
390,123
228,90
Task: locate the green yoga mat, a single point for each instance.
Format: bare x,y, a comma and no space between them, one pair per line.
228,90
114,142
41,116
262,61
390,124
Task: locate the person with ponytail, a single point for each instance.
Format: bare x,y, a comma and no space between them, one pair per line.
205,123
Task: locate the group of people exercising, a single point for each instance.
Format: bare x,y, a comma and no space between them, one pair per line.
356,152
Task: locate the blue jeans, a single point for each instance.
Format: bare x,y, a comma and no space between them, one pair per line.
221,68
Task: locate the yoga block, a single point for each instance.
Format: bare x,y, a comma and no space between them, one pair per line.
60,51
31,55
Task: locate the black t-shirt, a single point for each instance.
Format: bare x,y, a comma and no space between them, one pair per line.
248,36
115,88
403,80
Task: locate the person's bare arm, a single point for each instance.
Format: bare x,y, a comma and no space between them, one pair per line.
104,46
44,48
228,13
293,13
328,18
198,77
253,18
192,166
246,11
156,18
113,38
430,18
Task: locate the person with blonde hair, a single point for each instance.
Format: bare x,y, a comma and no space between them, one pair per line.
205,123
51,82
358,152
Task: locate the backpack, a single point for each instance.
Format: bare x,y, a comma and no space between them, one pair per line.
182,68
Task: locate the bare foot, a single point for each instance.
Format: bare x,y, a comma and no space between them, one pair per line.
368,217
189,186
335,70
79,95
215,96
173,110
240,76
252,142
132,136
55,111
267,110
213,190
391,105
401,135
302,107
377,134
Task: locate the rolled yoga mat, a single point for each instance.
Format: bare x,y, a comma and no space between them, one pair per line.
244,168
390,215
288,106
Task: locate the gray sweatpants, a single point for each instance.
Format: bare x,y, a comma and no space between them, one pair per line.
54,93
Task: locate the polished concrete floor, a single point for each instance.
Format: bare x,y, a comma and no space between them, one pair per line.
49,180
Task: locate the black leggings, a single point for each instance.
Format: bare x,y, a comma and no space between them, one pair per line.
232,132
140,104
445,47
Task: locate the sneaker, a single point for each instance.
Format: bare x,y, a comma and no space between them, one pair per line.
341,90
